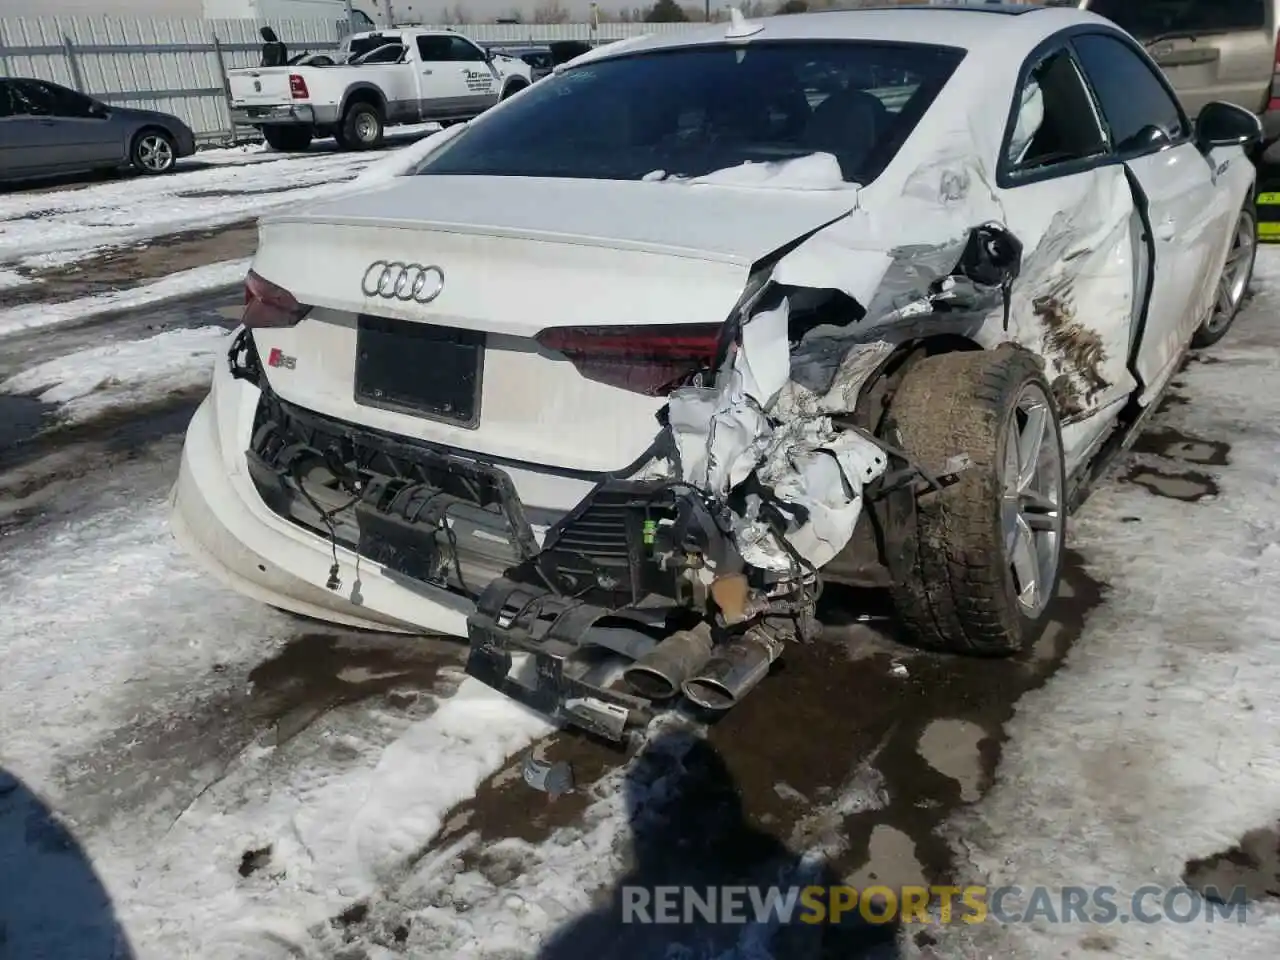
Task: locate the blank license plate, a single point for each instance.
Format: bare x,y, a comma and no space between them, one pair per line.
420,369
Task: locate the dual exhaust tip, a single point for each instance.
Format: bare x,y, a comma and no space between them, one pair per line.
715,679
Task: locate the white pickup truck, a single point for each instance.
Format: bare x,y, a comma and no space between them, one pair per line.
382,78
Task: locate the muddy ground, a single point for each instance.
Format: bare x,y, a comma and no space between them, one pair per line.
132,265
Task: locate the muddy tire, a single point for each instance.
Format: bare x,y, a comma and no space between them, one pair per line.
975,565
287,139
1233,283
362,128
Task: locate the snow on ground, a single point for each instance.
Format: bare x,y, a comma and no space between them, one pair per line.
115,643
181,284
129,373
216,187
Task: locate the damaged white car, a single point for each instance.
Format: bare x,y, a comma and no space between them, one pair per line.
631,364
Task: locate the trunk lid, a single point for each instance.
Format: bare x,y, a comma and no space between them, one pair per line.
635,255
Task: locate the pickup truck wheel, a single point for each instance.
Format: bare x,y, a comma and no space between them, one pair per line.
1233,282
975,564
287,139
362,127
512,88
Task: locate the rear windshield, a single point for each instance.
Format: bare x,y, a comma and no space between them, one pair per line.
1148,19
359,46
694,111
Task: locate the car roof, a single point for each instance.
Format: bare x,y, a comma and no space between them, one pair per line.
1007,27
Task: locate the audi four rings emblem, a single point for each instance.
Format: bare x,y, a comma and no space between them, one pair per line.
402,281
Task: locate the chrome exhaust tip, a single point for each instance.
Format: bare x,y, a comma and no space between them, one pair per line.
660,672
734,670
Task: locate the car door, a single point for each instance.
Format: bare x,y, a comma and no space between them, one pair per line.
1188,214
391,68
70,134
19,134
443,89
479,75
1075,301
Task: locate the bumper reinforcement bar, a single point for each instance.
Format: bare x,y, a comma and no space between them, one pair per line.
542,635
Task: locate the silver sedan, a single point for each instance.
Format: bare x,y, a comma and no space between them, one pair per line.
47,129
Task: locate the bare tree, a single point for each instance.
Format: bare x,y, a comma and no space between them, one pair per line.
550,11
458,14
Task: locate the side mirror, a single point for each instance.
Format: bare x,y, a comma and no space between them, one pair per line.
1226,125
100,110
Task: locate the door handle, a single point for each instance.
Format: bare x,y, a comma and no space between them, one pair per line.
427,72
1166,229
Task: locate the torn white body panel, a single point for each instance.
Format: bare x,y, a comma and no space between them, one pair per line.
760,420
1074,303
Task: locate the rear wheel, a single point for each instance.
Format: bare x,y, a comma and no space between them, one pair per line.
975,565
1233,282
153,152
287,139
512,88
362,127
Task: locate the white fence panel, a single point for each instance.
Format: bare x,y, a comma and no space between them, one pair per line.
179,65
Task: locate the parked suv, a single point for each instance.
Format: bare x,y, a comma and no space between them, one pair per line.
1209,49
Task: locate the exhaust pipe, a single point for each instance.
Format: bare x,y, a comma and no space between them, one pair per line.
734,670
658,674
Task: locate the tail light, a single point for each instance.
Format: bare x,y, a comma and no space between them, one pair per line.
651,359
298,87
269,305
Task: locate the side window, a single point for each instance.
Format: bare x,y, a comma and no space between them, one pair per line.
390,53
464,50
1055,120
68,103
1137,107
31,98
433,49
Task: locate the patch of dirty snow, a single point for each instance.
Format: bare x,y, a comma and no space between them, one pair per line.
335,836
58,258
109,628
181,284
128,373
100,613
10,279
1155,744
